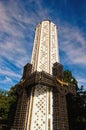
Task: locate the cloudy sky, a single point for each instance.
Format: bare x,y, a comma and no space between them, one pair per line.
18,19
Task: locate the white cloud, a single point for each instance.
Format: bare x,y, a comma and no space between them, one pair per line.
7,80
73,44
6,22
81,81
15,53
16,21
13,47
8,72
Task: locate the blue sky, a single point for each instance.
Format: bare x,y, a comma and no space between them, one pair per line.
18,19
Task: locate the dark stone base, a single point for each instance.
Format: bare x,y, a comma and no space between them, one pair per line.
24,88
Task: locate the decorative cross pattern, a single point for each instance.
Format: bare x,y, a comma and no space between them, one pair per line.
39,114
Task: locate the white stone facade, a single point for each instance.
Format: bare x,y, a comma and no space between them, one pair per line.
45,54
40,117
45,50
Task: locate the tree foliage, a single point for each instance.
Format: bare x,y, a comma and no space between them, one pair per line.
4,105
68,77
77,110
76,104
7,100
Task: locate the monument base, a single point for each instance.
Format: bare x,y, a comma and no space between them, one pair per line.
42,101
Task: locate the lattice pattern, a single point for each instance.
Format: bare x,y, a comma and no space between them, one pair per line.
44,48
45,52
54,46
39,108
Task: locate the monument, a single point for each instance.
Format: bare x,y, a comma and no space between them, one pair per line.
41,92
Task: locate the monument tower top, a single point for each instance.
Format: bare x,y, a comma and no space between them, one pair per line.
45,50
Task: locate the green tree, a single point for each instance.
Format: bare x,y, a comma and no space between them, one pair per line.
12,96
76,104
68,77
8,102
12,100
78,108
4,105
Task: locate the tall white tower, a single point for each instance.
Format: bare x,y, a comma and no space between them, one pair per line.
41,98
45,50
45,54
